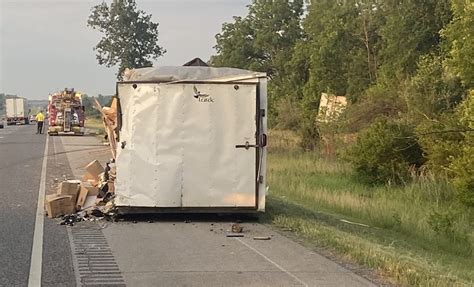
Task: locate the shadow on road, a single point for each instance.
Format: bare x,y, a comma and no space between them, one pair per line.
188,217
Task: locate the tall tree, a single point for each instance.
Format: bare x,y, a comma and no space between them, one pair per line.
343,46
432,90
130,38
411,29
345,43
459,37
289,88
264,41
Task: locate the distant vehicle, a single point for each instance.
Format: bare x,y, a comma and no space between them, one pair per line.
66,113
17,111
32,119
2,120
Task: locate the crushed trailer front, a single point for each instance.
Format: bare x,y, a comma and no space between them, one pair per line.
191,139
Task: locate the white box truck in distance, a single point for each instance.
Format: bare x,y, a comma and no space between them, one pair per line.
17,111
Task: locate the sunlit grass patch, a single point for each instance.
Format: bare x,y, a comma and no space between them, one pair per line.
95,124
417,234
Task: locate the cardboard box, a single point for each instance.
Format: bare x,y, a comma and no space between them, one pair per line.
56,205
81,199
90,179
70,187
92,188
94,169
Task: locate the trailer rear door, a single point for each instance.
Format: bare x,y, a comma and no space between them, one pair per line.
218,119
10,108
188,145
19,108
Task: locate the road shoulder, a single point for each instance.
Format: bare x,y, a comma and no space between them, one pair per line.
57,257
197,252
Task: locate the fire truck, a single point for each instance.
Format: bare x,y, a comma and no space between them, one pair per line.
66,113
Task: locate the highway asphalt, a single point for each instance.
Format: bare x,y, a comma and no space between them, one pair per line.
194,250
158,252
21,157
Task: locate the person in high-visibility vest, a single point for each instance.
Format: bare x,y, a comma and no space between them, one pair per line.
39,121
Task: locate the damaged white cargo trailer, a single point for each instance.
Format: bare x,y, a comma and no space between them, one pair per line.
191,139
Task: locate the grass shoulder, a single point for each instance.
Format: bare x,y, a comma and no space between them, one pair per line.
416,234
95,125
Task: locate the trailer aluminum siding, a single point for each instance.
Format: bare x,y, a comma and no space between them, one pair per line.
193,145
16,107
17,110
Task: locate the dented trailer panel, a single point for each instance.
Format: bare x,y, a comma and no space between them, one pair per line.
192,145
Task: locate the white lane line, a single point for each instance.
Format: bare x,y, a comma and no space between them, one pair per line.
34,279
273,262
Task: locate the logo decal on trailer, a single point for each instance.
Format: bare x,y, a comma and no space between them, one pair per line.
203,98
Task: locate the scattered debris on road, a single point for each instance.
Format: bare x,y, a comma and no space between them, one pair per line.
236,228
57,205
70,219
234,235
262,238
86,200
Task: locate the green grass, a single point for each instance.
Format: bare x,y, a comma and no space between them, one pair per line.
96,124
417,234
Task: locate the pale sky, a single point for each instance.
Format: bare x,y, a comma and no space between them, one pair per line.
45,45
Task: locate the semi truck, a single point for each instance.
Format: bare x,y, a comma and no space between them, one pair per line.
66,113
16,110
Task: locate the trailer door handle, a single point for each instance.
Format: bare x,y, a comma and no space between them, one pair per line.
247,145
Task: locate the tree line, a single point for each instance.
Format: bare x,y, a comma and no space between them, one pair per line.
405,66
89,104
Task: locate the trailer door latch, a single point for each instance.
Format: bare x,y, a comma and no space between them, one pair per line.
247,145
